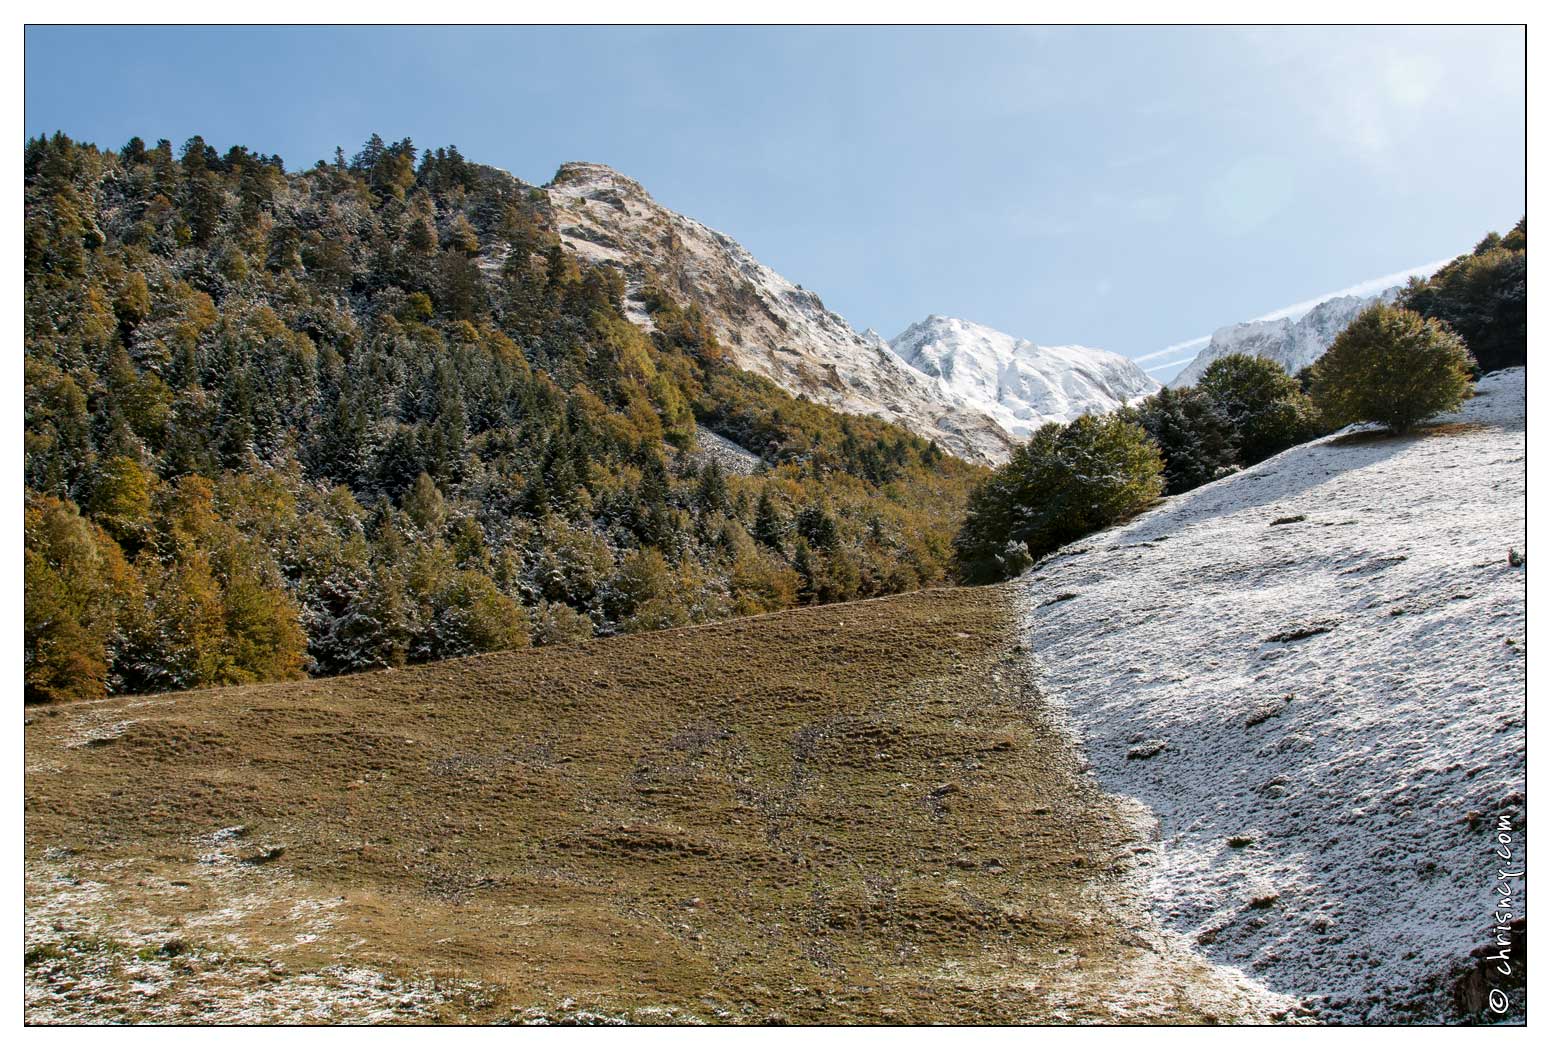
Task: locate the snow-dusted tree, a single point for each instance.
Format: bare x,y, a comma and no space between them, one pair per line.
1394,367
1268,409
1065,482
226,365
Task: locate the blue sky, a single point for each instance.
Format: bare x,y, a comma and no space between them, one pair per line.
1125,188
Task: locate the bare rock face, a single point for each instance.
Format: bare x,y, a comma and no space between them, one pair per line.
768,325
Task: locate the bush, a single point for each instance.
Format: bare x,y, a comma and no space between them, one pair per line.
556,623
1067,481
472,616
1267,408
1197,440
1391,366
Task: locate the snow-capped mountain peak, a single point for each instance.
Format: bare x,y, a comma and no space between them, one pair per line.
1293,343
1020,384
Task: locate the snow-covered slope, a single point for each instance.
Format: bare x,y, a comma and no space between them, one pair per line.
769,325
1291,343
1313,674
1015,382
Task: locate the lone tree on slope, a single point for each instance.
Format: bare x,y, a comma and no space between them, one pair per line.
1391,366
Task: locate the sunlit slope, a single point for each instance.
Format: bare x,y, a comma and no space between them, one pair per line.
860,812
1313,675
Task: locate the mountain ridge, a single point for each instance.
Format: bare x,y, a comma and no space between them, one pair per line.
769,325
1293,343
1020,384
973,389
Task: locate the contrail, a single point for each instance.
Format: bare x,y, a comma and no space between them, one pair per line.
1175,348
1362,288
1170,364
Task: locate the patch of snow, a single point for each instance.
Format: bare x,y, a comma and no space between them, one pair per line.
1330,648
724,452
94,984
1020,385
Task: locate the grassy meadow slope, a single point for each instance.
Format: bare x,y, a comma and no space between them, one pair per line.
857,813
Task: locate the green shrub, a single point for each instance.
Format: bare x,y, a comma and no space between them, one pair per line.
1391,366
1067,481
1267,408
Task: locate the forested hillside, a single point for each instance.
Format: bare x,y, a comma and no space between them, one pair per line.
1484,296
372,413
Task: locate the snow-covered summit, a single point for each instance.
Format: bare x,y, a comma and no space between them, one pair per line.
1293,343
1019,384
768,324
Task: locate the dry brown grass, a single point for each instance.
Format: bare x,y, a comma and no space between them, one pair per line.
857,813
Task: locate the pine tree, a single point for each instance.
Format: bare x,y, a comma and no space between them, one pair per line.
770,524
711,489
805,565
